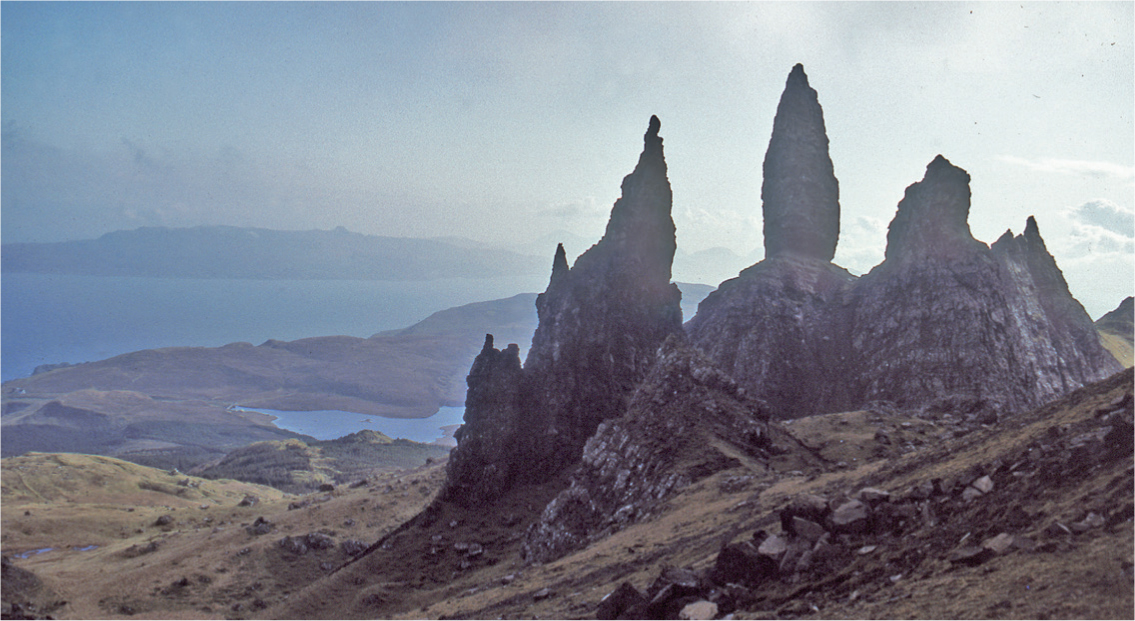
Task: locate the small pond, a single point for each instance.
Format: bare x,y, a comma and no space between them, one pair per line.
332,424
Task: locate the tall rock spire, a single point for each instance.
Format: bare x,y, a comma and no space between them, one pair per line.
800,191
601,322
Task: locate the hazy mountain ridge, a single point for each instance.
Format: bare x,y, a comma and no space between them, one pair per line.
237,252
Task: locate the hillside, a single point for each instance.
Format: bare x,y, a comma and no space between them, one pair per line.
101,538
296,466
1117,331
136,405
234,252
1060,491
1059,481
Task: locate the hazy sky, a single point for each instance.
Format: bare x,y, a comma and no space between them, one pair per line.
501,122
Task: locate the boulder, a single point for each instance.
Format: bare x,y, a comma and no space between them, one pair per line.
852,516
743,564
625,602
701,609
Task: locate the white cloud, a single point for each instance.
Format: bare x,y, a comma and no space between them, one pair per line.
862,243
1087,168
1102,213
1096,229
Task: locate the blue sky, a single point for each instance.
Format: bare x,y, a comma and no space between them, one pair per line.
509,122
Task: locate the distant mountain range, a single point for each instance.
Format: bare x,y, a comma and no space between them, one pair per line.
235,252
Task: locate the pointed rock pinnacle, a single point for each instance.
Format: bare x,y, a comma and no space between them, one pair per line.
933,217
560,267
800,193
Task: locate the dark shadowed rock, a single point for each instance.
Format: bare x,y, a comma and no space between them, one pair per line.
945,323
933,218
625,602
600,323
671,435
800,192
780,329
743,564
488,455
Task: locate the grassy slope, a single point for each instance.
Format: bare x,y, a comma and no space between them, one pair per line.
296,466
67,501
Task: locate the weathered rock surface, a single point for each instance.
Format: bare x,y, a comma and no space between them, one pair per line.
673,434
945,323
781,329
492,429
948,324
600,323
800,192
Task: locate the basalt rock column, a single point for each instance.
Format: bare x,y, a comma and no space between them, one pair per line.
777,328
800,193
601,321
481,467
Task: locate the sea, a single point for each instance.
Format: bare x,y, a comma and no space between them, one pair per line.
52,319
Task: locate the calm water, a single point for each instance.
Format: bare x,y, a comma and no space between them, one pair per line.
332,424
48,319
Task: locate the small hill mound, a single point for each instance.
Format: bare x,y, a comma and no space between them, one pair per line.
296,466
1117,332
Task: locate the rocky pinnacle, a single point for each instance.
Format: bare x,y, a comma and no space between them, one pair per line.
601,322
800,192
932,219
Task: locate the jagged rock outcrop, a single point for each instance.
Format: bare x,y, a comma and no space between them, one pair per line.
781,329
493,426
932,222
685,422
780,326
800,193
600,323
945,322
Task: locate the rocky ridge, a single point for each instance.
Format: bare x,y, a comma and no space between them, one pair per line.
600,324
686,422
944,323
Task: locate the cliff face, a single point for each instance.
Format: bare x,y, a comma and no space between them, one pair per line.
945,322
948,323
780,329
600,324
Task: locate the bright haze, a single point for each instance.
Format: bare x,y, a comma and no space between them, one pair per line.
509,123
